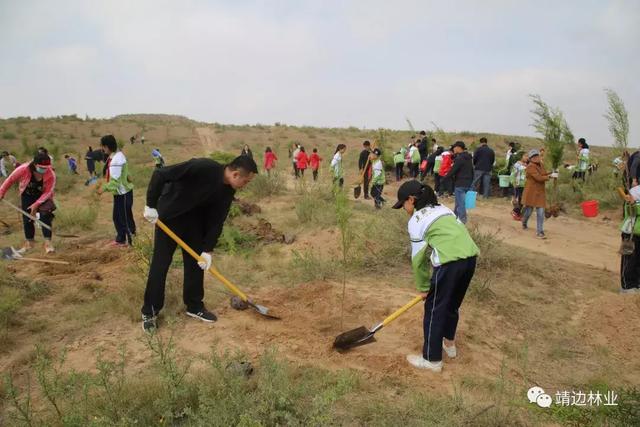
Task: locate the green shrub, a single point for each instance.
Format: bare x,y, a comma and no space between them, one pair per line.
14,293
307,266
8,135
266,185
222,157
234,240
76,217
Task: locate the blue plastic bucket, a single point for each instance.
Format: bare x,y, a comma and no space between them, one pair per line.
470,199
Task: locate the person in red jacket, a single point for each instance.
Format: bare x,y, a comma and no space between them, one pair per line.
269,160
446,184
314,161
36,183
302,161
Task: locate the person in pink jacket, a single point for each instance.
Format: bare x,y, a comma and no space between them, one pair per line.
269,160
36,183
302,161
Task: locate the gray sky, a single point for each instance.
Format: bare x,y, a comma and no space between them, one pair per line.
466,65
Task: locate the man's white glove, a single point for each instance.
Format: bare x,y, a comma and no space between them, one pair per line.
554,175
205,262
150,214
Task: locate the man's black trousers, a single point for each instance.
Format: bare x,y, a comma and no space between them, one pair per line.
190,228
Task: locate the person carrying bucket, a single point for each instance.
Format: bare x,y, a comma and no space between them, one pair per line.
453,258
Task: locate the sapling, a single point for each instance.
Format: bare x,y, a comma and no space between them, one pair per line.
343,215
551,124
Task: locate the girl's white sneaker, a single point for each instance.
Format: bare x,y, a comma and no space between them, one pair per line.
452,352
420,362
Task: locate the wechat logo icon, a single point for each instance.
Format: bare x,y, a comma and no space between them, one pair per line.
538,396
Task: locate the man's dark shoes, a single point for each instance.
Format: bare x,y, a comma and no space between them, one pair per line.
204,315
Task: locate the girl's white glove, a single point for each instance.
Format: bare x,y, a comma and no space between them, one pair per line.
150,214
205,262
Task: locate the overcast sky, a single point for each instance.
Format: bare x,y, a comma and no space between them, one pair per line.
466,65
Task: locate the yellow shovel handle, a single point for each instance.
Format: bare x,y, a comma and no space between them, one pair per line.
191,252
404,308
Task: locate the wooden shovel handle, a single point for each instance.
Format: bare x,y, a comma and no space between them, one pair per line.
400,311
212,270
49,261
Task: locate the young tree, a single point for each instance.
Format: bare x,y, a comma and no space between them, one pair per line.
618,120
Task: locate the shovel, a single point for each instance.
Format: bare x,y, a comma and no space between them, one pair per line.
12,255
361,336
33,218
259,308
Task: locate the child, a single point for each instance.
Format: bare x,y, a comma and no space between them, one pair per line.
36,183
302,161
157,158
72,164
294,159
336,165
630,249
453,258
118,183
437,162
377,183
518,178
398,159
583,160
414,153
315,160
269,160
445,166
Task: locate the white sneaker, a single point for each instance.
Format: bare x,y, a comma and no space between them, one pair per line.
452,352
420,362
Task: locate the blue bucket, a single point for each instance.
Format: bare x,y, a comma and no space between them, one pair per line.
470,199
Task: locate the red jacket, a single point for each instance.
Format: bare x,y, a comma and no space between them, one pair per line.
447,163
269,160
314,160
302,160
22,175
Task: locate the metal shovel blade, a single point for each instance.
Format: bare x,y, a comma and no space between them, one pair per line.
263,310
356,191
353,338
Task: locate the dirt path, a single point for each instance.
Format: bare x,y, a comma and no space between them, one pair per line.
589,241
208,139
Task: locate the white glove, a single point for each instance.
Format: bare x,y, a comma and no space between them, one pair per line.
554,175
205,262
150,214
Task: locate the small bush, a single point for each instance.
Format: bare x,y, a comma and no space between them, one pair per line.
222,157
233,240
8,135
265,185
14,293
307,266
77,217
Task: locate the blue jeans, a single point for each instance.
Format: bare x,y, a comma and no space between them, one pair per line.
486,182
528,210
460,209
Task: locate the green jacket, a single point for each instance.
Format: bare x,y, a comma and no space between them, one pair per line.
377,169
628,209
398,158
437,227
119,180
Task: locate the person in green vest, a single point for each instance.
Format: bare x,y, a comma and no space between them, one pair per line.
398,159
437,162
583,160
118,183
453,257
518,178
336,165
378,178
630,248
415,160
